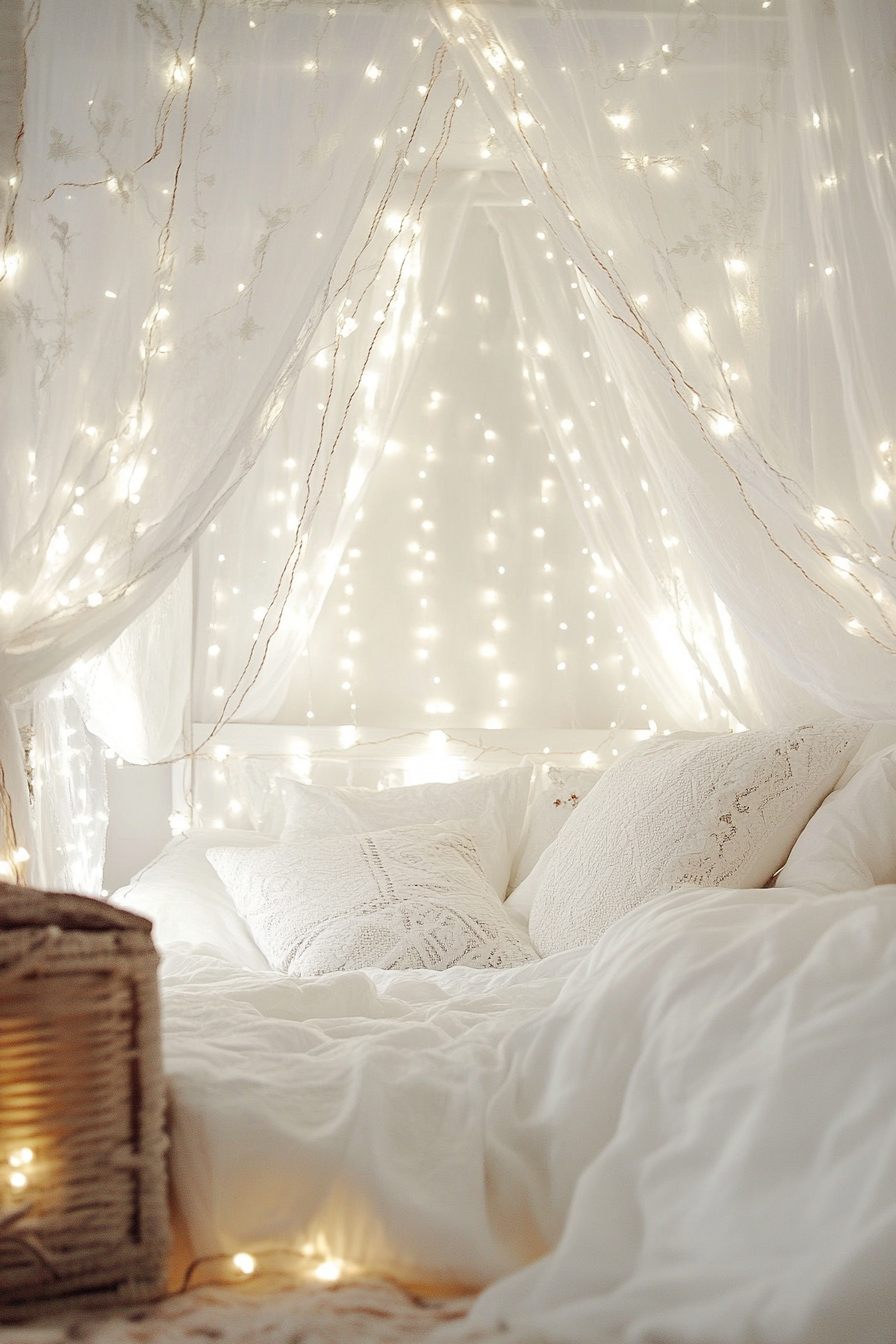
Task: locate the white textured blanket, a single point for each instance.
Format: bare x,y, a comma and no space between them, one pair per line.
686,1134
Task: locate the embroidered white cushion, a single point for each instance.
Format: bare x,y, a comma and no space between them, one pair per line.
558,792
718,811
411,898
850,843
498,802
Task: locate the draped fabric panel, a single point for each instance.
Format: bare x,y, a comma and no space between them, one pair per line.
201,190
135,696
738,292
184,198
69,798
186,182
681,633
249,634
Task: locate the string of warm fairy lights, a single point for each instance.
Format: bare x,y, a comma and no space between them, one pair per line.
328,444
312,1263
714,424
415,546
180,78
310,1266
834,541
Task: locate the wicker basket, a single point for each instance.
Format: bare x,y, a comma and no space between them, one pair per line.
83,1210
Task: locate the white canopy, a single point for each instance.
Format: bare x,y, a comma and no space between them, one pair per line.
223,218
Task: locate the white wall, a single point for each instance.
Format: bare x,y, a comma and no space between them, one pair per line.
139,806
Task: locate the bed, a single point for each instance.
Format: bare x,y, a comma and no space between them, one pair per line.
669,1113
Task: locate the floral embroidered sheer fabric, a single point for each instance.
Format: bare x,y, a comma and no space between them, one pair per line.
722,186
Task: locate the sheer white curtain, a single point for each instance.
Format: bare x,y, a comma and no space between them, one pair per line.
266,564
681,633
185,185
724,184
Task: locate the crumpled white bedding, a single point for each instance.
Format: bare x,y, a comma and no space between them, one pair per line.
687,1133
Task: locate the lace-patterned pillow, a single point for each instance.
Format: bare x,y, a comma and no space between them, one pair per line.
498,802
412,898
707,812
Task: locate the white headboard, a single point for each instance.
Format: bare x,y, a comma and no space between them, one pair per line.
226,781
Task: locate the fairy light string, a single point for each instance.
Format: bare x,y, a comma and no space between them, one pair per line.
286,578
856,549
634,320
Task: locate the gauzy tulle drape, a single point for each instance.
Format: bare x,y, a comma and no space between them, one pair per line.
724,183
185,184
345,400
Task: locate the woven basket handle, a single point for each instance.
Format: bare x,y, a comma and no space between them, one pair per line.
31,955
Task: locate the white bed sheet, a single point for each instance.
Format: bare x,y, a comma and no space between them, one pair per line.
687,1133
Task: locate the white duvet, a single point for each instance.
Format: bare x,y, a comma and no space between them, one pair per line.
686,1134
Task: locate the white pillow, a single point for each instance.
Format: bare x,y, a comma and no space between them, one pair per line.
498,802
404,899
715,812
188,903
558,792
850,843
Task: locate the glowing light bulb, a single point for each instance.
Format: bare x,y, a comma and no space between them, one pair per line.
244,1262
329,1271
696,324
18,1180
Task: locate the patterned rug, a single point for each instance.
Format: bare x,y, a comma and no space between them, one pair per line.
358,1311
